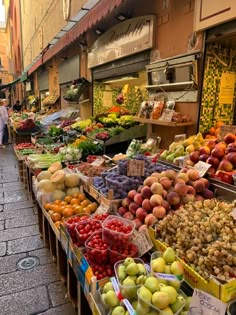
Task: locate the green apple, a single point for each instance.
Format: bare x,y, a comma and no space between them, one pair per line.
128,261
119,310
169,255
160,299
152,312
152,284
177,268
132,269
102,297
163,283
107,287
129,289
180,301
168,311
145,294
121,272
171,291
142,269
128,282
141,279
142,309
134,278
187,301
158,265
111,299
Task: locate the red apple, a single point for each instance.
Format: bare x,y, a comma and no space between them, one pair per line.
232,158
194,156
229,138
226,166
231,148
147,205
138,199
141,214
165,204
211,170
218,152
203,157
150,219
213,161
204,150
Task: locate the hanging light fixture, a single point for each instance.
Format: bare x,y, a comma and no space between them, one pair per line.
1,66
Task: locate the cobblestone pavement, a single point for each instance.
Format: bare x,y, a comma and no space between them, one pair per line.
24,292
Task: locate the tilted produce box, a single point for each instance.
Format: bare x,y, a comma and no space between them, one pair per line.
223,290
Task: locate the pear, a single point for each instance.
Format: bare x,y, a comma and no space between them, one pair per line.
126,312
107,287
169,255
129,288
160,299
128,261
141,279
135,304
167,311
171,291
132,269
142,309
184,313
163,283
119,310
177,269
102,297
121,273
111,299
167,269
158,265
134,278
180,301
187,301
145,294
170,157
175,284
142,269
152,284
164,154
153,312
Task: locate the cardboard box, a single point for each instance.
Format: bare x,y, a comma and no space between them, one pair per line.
223,290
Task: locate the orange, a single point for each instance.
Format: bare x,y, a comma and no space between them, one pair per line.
68,212
56,217
93,206
86,210
85,203
81,197
212,131
64,203
78,209
219,124
57,224
68,199
47,206
217,131
74,195
57,202
74,201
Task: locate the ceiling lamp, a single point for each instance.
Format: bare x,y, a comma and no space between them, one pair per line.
122,17
98,31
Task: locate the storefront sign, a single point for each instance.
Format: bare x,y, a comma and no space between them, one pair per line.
208,15
124,39
227,83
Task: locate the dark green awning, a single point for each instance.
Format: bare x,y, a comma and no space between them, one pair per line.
24,76
5,86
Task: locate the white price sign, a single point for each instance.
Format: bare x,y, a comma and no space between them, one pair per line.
203,303
142,241
202,167
233,213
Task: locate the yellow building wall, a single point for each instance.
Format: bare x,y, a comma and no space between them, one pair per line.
41,21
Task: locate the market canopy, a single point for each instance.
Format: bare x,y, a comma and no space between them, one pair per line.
10,84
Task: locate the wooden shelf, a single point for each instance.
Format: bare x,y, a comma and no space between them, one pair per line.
162,123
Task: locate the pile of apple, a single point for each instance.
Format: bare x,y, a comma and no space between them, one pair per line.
221,155
161,193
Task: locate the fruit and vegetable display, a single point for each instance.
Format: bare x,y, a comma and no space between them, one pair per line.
24,145
203,234
161,193
118,181
26,125
90,170
70,153
42,161
55,131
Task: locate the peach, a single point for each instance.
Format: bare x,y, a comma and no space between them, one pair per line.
204,150
133,207
173,198
171,174
141,214
181,189
183,176
188,198
150,219
147,205
138,199
150,180
157,188
146,192
193,174
137,223
125,202
218,152
143,229
156,200
205,182
165,182
207,194
128,215
191,190
199,198
131,194
122,211
159,212
157,175
199,186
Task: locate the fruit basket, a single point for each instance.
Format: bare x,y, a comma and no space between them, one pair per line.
117,231
130,273
96,249
85,229
71,222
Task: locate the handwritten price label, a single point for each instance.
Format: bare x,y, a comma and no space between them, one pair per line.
226,129
135,168
142,241
202,168
233,213
203,303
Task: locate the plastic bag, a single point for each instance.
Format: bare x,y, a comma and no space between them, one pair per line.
157,110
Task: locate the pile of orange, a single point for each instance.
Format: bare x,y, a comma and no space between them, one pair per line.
214,131
71,205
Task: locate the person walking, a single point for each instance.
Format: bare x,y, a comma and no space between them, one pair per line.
3,121
17,107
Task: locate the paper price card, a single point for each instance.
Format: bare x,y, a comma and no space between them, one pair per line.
226,129
203,303
142,241
135,168
202,168
233,213
102,209
180,137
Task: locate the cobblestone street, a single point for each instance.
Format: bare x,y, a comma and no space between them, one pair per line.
33,291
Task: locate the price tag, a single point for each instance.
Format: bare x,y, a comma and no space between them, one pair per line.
129,307
98,162
167,115
226,129
202,167
180,137
203,303
167,276
142,241
233,213
102,209
135,168
116,288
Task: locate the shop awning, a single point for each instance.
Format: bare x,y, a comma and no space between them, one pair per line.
10,84
24,76
103,8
